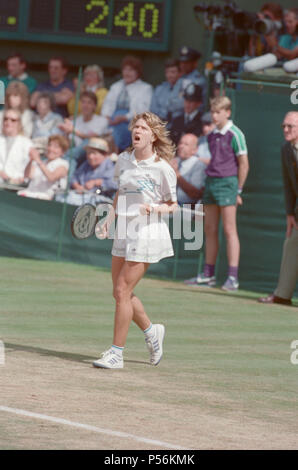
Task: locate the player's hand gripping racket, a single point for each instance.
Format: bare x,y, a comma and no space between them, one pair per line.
88,220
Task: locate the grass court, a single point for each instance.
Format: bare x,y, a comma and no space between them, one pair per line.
226,380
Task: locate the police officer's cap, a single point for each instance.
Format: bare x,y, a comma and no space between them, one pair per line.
188,54
192,92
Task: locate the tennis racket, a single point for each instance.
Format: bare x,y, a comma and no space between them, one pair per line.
88,220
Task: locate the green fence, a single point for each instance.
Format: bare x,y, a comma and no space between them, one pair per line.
31,228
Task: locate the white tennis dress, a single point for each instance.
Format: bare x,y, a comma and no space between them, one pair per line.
139,237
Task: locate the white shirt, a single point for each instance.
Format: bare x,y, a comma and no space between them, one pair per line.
13,161
41,184
143,182
140,95
97,125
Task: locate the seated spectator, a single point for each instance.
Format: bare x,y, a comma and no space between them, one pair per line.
46,121
190,121
127,97
47,177
93,80
166,95
208,125
93,181
58,84
188,61
17,97
88,124
16,67
14,148
190,171
260,44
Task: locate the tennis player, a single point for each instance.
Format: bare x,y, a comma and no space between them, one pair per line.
147,189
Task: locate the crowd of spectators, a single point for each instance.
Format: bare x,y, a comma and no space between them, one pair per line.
46,142
48,146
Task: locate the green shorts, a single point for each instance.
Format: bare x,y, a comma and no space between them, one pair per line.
221,191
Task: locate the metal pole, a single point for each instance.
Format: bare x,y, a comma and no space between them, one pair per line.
63,216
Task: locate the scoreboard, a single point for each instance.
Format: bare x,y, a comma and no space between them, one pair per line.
129,24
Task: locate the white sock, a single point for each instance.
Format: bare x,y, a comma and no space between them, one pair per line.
150,331
118,350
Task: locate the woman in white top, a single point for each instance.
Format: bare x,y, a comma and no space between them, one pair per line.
14,148
127,97
46,177
147,189
17,97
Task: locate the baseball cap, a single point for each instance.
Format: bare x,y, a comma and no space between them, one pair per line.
187,54
98,144
192,92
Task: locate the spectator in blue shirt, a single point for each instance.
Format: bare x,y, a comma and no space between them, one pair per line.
166,102
286,48
58,84
188,60
93,181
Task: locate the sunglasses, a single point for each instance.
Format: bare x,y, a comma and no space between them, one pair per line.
7,118
290,126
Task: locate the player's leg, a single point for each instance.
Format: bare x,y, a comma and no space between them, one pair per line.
228,214
130,274
139,315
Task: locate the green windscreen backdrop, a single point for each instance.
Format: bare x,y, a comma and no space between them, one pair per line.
31,228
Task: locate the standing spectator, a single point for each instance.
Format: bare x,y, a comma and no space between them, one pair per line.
190,171
46,177
14,148
288,275
16,67
93,80
188,60
164,99
17,97
127,97
190,121
58,84
226,175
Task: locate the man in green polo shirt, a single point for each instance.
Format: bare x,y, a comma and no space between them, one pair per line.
16,67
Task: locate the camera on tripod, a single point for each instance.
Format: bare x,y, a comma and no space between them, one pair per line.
229,16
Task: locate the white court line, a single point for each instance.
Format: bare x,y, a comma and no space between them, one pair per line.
87,427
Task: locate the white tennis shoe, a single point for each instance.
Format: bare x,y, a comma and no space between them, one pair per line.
154,344
109,360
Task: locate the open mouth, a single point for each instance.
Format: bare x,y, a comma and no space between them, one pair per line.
137,138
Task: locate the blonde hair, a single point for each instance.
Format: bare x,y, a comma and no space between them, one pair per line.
221,102
19,89
99,71
163,145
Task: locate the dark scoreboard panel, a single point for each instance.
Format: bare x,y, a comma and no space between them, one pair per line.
130,24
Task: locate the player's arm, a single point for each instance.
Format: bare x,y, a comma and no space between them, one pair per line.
167,207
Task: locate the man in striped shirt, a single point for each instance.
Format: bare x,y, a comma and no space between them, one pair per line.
226,175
